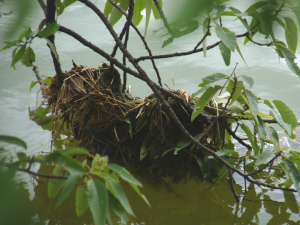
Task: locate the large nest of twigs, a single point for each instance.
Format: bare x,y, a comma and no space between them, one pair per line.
107,121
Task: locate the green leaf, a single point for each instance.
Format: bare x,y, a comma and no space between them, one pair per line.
249,80
124,174
28,57
264,157
213,78
139,6
286,113
55,185
155,10
98,201
290,57
13,140
272,135
130,126
76,151
49,30
252,101
222,173
70,183
58,157
81,201
10,44
204,167
249,134
204,99
226,152
256,5
116,189
229,39
280,122
137,190
116,15
294,174
95,161
52,48
182,143
238,90
108,8
226,53
261,128
117,208
266,21
148,13
47,81
66,3
19,54
167,42
291,34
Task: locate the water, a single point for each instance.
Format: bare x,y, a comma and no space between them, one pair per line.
188,202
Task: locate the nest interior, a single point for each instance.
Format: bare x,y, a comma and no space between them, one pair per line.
107,121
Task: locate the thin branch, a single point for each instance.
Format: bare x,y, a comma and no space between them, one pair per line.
43,175
43,6
206,34
142,38
237,138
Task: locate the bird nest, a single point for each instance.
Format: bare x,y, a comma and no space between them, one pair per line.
107,121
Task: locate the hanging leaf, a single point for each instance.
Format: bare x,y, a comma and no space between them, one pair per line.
66,3
124,174
98,201
167,42
49,30
291,34
229,39
261,128
266,21
117,191
239,51
250,137
10,44
249,80
213,78
227,152
13,140
200,90
139,6
148,13
204,99
137,190
58,157
55,185
272,135
252,101
182,143
264,157
239,87
155,11
18,55
117,208
52,48
204,167
294,174
226,53
280,122
28,57
81,201
108,8
70,183
286,113
222,174
256,6
115,14
76,151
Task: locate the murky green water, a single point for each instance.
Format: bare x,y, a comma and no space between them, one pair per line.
186,202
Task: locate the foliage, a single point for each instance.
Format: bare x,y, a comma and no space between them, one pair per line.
96,181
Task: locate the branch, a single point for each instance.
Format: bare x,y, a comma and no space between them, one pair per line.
142,38
50,18
43,175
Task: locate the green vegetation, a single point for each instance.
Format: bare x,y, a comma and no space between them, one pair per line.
97,182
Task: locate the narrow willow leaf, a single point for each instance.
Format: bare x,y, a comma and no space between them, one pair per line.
238,90
98,201
229,39
249,80
249,134
155,10
70,183
55,185
18,55
58,157
28,57
204,88
290,57
291,34
52,48
116,189
124,174
294,174
226,53
213,78
116,15
222,173
264,157
252,101
10,44
266,21
204,99
148,13
117,208
137,190
239,51
13,140
76,151
49,30
272,135
139,6
108,8
261,128
81,201
182,143
286,113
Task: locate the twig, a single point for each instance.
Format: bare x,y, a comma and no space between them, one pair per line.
237,138
206,34
37,74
